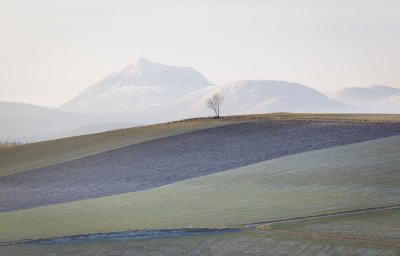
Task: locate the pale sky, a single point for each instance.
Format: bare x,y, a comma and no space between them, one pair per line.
50,50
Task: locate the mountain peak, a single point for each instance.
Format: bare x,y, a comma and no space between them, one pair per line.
135,66
142,60
136,82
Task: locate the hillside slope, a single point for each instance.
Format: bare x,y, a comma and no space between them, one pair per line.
167,160
47,153
41,154
347,177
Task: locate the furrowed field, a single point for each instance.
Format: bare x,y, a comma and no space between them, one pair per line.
282,184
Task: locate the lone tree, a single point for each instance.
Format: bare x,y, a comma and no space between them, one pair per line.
215,102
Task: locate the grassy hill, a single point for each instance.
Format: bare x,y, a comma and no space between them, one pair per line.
348,177
382,226
41,154
361,234
163,161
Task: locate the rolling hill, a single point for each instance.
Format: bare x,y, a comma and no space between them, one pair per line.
272,184
46,153
375,98
166,160
27,123
328,180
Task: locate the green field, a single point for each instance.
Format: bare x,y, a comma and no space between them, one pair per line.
378,226
303,238
348,177
234,244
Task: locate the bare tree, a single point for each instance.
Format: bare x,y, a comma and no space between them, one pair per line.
215,102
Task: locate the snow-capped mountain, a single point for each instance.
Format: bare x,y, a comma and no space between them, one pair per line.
147,92
261,96
376,98
254,97
151,92
138,85
26,123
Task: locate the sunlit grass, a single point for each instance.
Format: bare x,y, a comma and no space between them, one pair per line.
348,177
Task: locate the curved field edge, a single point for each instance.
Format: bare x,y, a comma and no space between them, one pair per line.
46,153
227,244
363,233
41,154
381,226
342,178
163,161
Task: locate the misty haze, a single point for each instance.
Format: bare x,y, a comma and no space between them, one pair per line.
199,127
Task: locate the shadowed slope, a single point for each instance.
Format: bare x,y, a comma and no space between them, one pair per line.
324,181
163,161
37,155
41,154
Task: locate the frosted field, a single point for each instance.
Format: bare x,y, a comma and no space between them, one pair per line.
163,161
259,168
342,178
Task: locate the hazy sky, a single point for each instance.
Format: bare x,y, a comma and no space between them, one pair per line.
50,50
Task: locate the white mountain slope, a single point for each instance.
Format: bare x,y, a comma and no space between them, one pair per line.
137,86
147,92
151,92
253,97
375,98
261,96
26,123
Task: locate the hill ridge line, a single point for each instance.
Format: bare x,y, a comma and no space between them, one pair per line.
230,122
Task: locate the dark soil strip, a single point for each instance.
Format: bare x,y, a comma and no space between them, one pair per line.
155,163
326,215
126,235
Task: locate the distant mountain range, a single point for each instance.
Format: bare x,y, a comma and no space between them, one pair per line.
22,122
152,92
147,92
376,98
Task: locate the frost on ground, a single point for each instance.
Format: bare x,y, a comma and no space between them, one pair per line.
163,161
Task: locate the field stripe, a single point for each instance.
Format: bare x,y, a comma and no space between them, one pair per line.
326,215
165,233
159,162
343,178
36,155
46,153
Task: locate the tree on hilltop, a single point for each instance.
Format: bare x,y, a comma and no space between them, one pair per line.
214,103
